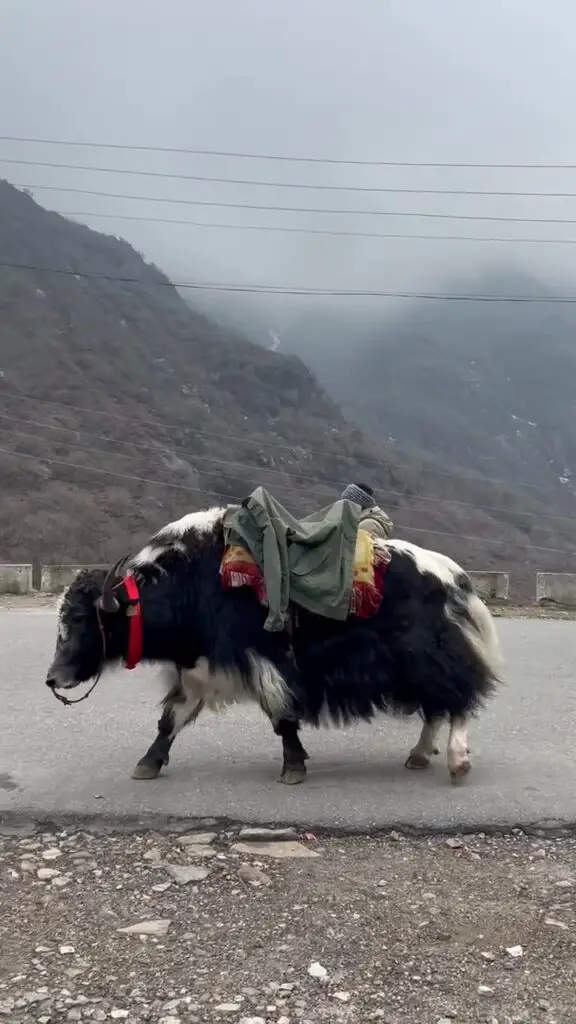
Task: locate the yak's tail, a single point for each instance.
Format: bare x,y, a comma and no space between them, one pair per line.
480,631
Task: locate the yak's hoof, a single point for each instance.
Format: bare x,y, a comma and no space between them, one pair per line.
459,772
293,776
417,762
147,769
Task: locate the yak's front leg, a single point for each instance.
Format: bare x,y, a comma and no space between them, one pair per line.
275,679
295,757
181,706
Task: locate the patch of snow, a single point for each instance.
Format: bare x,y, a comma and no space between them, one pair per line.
275,340
520,420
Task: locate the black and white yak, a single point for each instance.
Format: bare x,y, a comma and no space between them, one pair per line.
431,648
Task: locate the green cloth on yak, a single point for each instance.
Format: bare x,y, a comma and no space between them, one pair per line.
309,562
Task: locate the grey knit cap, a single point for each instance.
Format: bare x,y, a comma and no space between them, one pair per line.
361,494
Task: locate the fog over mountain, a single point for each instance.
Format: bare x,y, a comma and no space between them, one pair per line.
442,82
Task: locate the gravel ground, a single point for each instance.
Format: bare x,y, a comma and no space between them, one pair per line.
396,929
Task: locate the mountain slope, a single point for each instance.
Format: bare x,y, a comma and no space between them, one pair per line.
157,408
121,407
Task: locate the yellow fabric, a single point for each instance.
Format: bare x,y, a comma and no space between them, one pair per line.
364,558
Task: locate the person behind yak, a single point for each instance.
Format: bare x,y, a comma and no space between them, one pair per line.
374,520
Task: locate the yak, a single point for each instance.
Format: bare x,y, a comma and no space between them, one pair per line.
431,648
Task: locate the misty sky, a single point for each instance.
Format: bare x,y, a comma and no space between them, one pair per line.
427,80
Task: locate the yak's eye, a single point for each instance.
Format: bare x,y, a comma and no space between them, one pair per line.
76,618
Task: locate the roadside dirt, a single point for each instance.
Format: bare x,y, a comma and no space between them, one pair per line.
296,931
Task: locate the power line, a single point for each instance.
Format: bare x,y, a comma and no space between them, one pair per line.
290,184
486,540
161,465
315,231
366,459
264,289
235,464
236,154
219,494
299,209
121,476
294,472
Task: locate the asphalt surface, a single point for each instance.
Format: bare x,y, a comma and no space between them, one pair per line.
57,761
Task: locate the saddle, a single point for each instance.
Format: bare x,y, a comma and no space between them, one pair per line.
240,568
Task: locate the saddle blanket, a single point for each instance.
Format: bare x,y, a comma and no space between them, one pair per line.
239,569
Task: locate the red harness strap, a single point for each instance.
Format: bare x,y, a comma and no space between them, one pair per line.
134,616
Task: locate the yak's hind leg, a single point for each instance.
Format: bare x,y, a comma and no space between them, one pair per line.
427,745
181,706
294,755
458,760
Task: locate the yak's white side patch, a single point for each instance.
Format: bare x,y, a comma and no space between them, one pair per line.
170,537
199,522
216,688
219,688
428,561
149,554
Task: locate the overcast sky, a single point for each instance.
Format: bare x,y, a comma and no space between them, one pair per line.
415,80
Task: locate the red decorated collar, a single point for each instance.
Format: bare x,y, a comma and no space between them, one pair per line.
134,616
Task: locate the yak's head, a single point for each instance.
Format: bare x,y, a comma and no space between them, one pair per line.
90,632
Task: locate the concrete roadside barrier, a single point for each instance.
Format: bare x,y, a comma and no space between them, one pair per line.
556,587
55,578
15,578
491,586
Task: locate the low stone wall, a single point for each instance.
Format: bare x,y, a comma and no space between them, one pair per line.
15,579
55,578
556,587
491,586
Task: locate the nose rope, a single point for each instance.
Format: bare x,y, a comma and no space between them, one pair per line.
66,700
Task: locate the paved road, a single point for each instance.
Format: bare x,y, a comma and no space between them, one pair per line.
57,761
